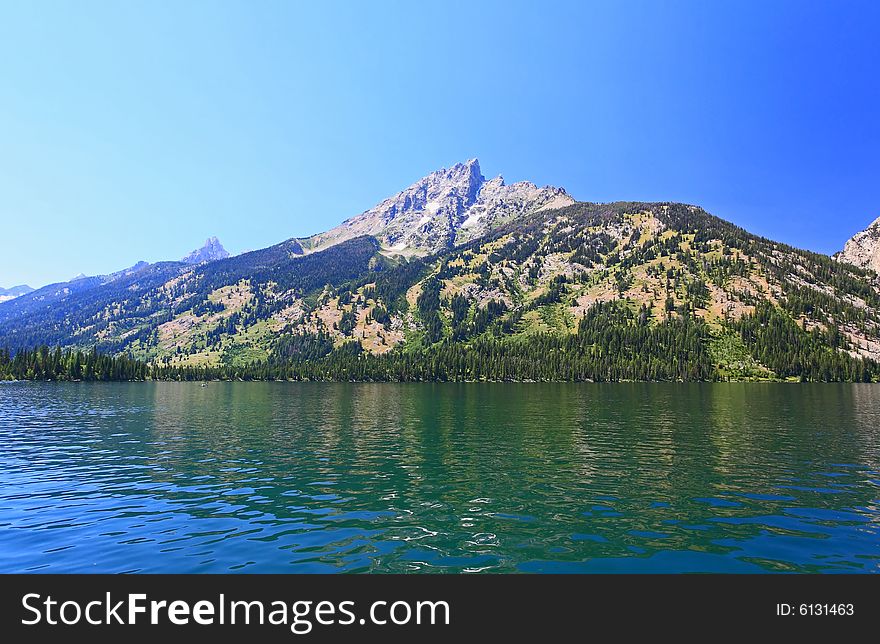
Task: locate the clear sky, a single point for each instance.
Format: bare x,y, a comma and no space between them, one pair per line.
134,130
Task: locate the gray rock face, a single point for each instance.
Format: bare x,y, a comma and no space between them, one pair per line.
863,249
212,250
445,208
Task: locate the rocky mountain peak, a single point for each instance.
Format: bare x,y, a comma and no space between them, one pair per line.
465,177
210,251
445,208
863,249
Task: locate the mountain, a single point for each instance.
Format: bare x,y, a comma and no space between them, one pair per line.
14,292
131,270
863,249
81,283
445,208
212,250
499,282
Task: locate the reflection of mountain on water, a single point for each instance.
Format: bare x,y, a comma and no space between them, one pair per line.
554,477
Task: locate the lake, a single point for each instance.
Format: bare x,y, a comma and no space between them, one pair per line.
317,477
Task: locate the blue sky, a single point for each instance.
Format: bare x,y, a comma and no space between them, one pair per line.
134,130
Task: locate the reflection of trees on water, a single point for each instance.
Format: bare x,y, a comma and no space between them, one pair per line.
531,464
488,474
865,411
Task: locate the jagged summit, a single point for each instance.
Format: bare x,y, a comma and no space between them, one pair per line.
210,251
863,249
693,297
443,209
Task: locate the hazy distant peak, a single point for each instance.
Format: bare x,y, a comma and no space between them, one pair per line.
211,250
14,291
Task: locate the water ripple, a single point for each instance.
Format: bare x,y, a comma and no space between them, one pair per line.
283,477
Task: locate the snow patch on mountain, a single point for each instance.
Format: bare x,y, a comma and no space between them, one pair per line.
14,292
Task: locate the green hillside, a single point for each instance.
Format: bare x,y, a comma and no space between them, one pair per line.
643,291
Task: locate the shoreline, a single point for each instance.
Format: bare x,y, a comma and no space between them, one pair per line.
456,382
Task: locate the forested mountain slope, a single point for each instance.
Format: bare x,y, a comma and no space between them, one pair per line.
651,291
604,291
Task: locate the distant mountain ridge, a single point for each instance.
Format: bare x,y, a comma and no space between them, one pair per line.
457,277
14,292
212,250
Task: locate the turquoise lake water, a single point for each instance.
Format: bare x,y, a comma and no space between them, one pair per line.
317,477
